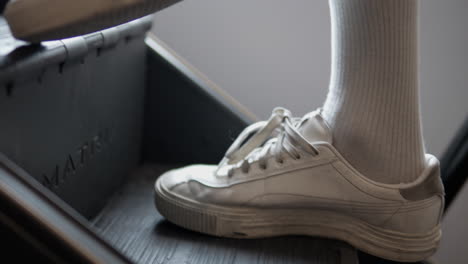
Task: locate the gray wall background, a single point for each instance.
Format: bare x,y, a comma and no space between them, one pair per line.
269,53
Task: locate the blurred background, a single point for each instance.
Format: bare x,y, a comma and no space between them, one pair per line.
268,53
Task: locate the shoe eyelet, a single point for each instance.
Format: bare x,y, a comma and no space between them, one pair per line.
262,166
280,161
298,157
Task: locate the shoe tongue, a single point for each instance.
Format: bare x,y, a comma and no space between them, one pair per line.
314,128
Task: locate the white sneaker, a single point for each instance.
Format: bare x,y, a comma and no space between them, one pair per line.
39,20
284,177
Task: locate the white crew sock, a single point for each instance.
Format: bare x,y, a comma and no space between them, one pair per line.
373,102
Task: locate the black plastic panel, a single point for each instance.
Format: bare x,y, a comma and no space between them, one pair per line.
454,165
186,121
71,112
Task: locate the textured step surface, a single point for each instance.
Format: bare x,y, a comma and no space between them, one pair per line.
131,223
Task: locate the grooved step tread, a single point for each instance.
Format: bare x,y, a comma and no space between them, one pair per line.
131,224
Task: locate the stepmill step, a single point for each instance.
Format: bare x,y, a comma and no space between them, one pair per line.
131,224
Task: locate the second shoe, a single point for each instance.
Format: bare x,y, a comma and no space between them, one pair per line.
40,20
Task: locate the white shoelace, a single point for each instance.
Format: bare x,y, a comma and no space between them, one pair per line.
278,135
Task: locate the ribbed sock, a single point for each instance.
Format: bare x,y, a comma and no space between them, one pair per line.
373,102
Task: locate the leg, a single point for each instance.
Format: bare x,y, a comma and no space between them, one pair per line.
373,104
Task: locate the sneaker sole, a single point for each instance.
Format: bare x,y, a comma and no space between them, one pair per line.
24,18
245,223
